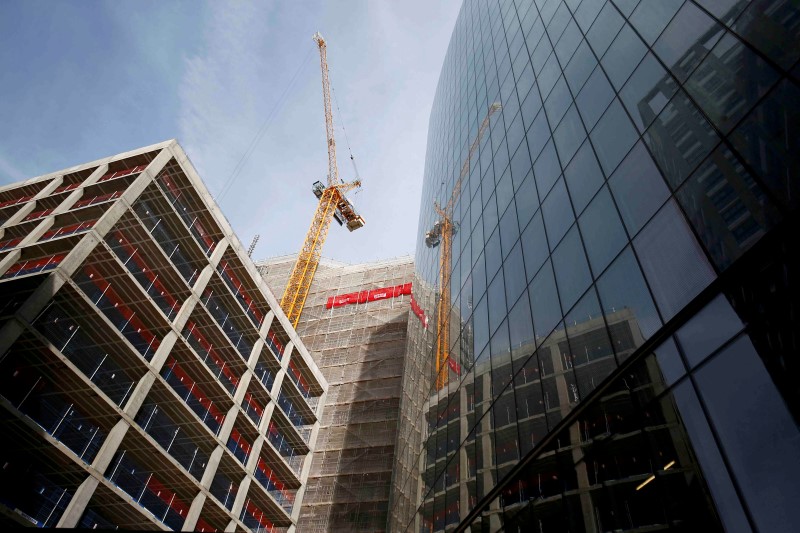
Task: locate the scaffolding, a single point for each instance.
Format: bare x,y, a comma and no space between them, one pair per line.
360,349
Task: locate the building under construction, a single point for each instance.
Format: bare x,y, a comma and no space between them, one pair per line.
148,378
354,324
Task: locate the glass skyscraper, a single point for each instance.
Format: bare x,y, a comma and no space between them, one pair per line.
616,252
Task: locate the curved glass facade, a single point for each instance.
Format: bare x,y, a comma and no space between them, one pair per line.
615,248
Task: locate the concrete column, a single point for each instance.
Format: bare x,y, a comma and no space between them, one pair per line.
67,203
24,211
185,312
164,349
110,446
264,424
227,424
287,352
219,251
138,395
231,526
264,330
252,460
37,232
241,389
276,386
211,467
77,505
9,334
258,346
202,280
241,496
194,512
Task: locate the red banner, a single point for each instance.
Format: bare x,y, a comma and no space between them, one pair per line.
368,296
455,367
419,312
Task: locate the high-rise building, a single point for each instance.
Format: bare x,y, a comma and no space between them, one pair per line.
622,278
148,378
355,324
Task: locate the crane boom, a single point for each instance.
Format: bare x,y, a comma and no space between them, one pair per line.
443,232
333,203
333,169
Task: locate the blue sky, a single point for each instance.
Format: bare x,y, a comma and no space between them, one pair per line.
84,80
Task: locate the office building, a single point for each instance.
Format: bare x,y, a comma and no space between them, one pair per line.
355,324
623,295
148,378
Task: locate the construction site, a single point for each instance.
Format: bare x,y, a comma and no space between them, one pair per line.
355,324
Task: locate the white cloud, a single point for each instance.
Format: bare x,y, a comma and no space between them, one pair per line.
9,173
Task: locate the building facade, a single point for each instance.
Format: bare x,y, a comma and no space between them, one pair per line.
355,324
148,377
623,319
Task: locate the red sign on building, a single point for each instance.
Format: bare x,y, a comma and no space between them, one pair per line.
368,296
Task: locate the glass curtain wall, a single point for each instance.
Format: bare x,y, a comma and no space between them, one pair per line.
622,298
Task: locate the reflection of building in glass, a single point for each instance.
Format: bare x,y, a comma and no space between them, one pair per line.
148,377
355,324
643,170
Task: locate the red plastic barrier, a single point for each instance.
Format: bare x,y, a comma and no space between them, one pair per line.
195,332
119,305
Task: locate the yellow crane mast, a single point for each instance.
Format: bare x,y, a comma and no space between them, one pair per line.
333,204
442,232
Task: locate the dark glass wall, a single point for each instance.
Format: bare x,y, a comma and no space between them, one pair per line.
622,296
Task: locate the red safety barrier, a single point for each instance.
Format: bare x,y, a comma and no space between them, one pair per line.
204,526
175,193
34,265
254,404
195,390
120,173
97,199
278,344
167,496
240,441
273,478
228,272
195,332
148,272
66,230
38,214
65,188
368,296
10,243
119,305
16,201
258,514
296,373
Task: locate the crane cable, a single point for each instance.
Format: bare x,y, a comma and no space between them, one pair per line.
346,140
261,131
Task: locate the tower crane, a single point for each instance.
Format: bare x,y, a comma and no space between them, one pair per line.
333,204
442,233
